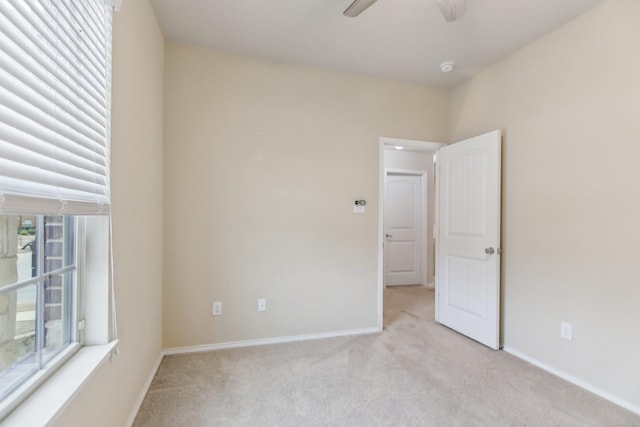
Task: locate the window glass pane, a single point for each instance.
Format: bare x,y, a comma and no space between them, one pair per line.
57,313
26,249
55,250
17,337
36,308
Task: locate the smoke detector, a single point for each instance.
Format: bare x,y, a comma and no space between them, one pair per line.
447,67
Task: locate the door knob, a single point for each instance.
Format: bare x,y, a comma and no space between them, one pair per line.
389,236
489,251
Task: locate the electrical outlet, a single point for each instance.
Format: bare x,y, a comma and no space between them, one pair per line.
262,304
566,330
217,308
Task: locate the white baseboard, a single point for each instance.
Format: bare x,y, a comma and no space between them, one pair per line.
265,341
430,285
143,393
576,381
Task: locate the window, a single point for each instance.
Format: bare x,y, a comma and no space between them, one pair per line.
55,91
38,304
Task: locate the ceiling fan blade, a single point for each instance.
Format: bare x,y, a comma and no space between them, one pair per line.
357,7
452,9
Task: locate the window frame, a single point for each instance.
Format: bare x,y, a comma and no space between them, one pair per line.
73,326
64,378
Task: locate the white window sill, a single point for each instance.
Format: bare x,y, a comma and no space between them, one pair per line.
48,401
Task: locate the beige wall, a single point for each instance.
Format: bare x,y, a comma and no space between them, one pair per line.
264,161
136,182
419,161
569,107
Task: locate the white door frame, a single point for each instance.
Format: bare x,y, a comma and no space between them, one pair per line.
414,145
424,194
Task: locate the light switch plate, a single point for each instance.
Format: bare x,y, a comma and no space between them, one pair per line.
217,308
566,330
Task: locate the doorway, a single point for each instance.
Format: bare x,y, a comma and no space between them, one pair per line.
468,249
404,159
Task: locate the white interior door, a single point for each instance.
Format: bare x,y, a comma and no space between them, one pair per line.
403,243
468,238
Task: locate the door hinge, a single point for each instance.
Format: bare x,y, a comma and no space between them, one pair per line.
499,251
81,325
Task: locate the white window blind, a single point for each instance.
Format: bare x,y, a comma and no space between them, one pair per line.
55,86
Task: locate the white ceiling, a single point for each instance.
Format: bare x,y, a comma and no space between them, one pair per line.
399,39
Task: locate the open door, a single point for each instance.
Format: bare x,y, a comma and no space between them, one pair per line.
468,237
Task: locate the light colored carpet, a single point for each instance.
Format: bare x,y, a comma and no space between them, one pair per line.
415,373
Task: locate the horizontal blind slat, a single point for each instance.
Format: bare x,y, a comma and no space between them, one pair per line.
42,64
21,140
55,106
85,63
53,166
31,119
65,187
66,58
70,33
48,102
91,41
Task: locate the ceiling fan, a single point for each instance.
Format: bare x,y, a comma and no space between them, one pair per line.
450,9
